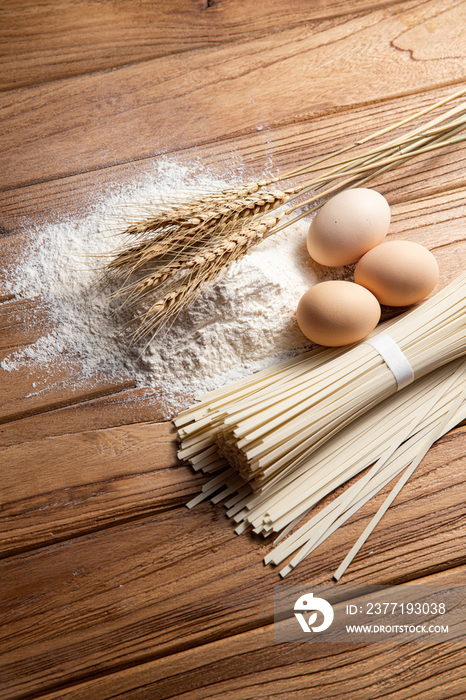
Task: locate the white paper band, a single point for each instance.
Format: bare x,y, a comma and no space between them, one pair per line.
394,358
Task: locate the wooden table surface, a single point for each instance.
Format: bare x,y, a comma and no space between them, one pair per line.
109,586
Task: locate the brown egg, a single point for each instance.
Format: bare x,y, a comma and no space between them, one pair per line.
337,313
398,273
347,226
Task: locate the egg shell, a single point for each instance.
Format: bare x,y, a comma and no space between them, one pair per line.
398,273
337,313
347,226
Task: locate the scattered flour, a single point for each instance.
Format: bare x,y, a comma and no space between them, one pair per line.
243,323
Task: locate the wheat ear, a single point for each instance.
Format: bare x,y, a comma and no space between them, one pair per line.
162,243
194,274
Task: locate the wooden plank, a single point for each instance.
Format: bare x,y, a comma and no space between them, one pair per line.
436,222
251,664
68,461
22,322
46,41
29,386
159,482
121,116
181,578
87,480
123,408
251,671
34,388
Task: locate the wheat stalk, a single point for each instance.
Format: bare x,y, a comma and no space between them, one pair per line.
190,274
175,237
167,259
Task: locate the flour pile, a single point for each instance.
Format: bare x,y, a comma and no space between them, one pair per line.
243,323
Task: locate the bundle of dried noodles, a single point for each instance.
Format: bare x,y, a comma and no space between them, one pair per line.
300,430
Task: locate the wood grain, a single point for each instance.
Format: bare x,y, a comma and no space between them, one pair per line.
85,505
28,384
97,454
87,480
47,41
122,408
121,116
33,388
183,578
22,323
